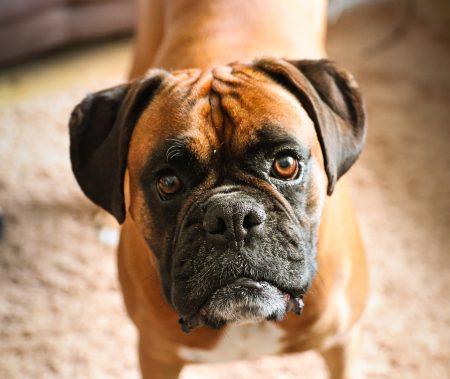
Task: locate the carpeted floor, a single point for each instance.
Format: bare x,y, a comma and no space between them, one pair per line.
61,315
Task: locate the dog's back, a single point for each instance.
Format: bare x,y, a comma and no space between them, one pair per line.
178,34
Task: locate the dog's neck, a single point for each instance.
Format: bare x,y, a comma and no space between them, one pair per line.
203,33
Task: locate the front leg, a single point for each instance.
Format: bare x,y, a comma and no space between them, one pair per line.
341,356
152,368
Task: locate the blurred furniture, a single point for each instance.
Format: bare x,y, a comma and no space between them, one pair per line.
29,27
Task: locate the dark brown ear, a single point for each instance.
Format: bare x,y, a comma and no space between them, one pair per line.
100,131
332,100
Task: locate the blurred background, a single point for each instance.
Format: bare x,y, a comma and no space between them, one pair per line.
61,312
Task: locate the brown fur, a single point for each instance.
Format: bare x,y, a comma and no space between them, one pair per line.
294,29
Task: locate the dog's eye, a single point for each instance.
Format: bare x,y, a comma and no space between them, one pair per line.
286,167
169,184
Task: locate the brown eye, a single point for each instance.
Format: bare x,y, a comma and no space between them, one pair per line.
169,184
286,167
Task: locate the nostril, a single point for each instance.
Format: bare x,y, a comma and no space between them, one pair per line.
233,220
249,222
220,227
253,218
215,225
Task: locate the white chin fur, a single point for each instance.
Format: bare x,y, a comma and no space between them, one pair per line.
242,305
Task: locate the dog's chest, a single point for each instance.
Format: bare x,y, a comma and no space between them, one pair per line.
249,341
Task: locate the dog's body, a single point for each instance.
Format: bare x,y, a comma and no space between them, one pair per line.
231,283
328,323
185,34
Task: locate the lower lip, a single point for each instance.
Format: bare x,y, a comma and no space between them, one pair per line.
294,304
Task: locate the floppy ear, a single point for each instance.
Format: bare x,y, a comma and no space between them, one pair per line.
332,100
100,131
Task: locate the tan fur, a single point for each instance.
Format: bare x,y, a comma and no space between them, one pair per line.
204,34
177,34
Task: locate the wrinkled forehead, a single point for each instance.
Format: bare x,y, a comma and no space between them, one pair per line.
224,108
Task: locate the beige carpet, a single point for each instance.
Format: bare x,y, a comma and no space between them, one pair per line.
61,315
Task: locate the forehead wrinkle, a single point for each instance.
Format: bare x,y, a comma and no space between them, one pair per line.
227,102
241,91
186,77
203,132
237,125
260,102
216,118
181,84
176,112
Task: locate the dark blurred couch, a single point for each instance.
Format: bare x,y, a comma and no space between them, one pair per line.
29,27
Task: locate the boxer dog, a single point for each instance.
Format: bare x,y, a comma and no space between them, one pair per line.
230,247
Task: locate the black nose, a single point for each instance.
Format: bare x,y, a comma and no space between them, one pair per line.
233,220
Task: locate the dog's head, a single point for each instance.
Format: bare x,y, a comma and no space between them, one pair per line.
228,170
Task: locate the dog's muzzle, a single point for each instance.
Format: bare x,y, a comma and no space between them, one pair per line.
236,261
245,300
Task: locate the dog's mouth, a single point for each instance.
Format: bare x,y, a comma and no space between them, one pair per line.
245,300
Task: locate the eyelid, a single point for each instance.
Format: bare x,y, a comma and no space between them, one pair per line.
287,150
